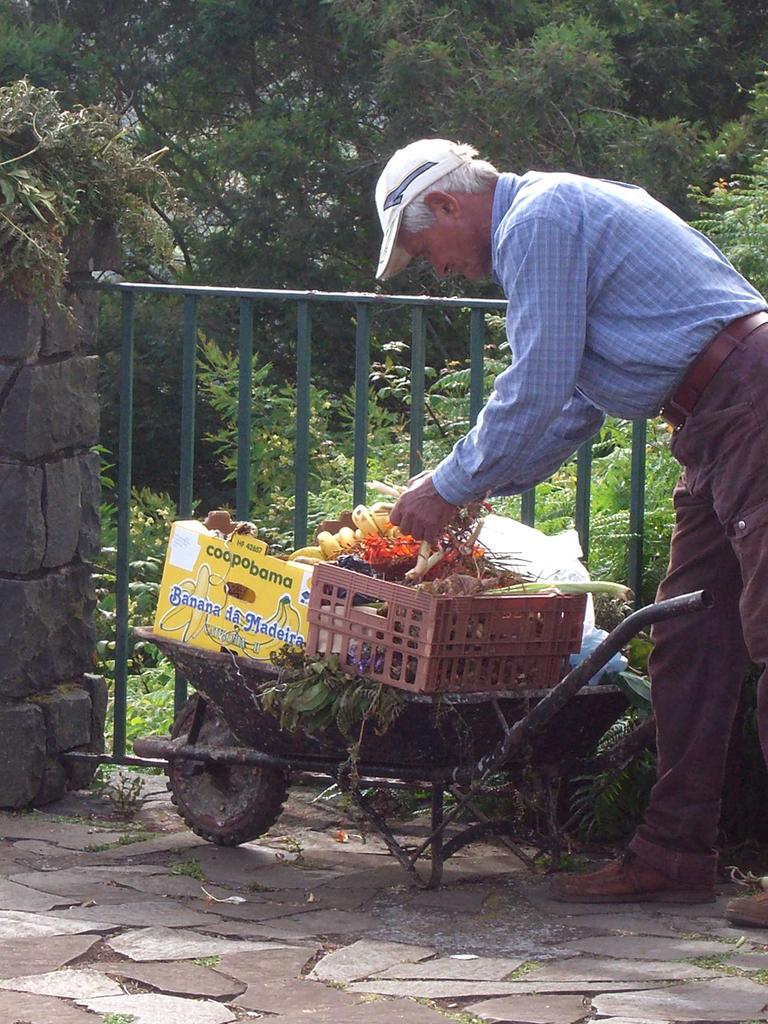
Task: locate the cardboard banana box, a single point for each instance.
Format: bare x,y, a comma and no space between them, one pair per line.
230,594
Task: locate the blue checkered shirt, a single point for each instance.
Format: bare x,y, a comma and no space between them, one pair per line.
611,296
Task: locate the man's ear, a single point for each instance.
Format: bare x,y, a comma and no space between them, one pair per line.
442,203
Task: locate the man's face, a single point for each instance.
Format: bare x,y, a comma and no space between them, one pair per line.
458,243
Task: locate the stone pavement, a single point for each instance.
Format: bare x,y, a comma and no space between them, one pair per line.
144,923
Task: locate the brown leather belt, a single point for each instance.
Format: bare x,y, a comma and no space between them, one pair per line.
705,366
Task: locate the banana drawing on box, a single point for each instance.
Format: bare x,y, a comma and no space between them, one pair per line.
284,626
192,601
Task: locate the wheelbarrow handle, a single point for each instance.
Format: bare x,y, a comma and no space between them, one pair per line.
698,600
539,715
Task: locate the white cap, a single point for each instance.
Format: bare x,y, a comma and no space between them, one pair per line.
409,173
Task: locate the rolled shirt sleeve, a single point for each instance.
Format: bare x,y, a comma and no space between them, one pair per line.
535,417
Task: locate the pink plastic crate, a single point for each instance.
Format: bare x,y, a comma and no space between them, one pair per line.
426,644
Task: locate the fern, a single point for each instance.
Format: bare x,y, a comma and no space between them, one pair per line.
611,804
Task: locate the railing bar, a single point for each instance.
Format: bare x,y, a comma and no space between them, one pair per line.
476,363
244,413
583,494
418,354
187,467
303,370
362,371
122,582
294,296
637,510
528,507
188,382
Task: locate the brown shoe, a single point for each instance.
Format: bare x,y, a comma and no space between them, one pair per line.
751,911
628,880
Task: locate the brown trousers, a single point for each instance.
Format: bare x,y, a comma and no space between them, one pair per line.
698,664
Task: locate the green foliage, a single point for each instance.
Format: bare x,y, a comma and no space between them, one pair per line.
125,792
277,119
45,50
735,216
207,961
637,690
273,434
60,168
316,694
273,440
190,868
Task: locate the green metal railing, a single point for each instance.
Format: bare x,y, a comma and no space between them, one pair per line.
364,305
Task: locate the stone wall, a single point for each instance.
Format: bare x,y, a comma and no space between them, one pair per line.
50,700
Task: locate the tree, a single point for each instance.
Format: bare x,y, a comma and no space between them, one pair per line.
278,117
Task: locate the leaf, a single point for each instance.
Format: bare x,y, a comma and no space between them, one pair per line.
636,688
311,699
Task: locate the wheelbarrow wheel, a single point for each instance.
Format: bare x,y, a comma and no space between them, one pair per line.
224,804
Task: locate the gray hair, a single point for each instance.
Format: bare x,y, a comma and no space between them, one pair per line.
475,176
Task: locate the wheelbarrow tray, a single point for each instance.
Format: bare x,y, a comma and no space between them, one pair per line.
425,734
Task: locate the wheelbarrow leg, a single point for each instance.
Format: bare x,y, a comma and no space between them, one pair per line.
184,739
436,875
395,848
409,860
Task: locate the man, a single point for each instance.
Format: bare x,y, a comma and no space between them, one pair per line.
616,306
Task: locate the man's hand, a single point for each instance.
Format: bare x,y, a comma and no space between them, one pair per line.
421,511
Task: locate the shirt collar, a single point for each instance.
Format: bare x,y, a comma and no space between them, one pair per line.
503,197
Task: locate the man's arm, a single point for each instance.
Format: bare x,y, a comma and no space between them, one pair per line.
426,507
535,416
577,422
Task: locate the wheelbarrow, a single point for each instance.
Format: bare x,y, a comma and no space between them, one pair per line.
230,765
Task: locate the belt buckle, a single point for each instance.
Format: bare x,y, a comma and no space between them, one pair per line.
676,421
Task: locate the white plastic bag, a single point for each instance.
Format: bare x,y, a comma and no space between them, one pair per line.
532,553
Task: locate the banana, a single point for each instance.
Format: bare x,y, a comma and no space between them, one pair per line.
308,552
284,604
364,521
380,515
179,613
381,507
346,537
329,546
284,617
278,615
187,618
293,618
368,522
198,618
